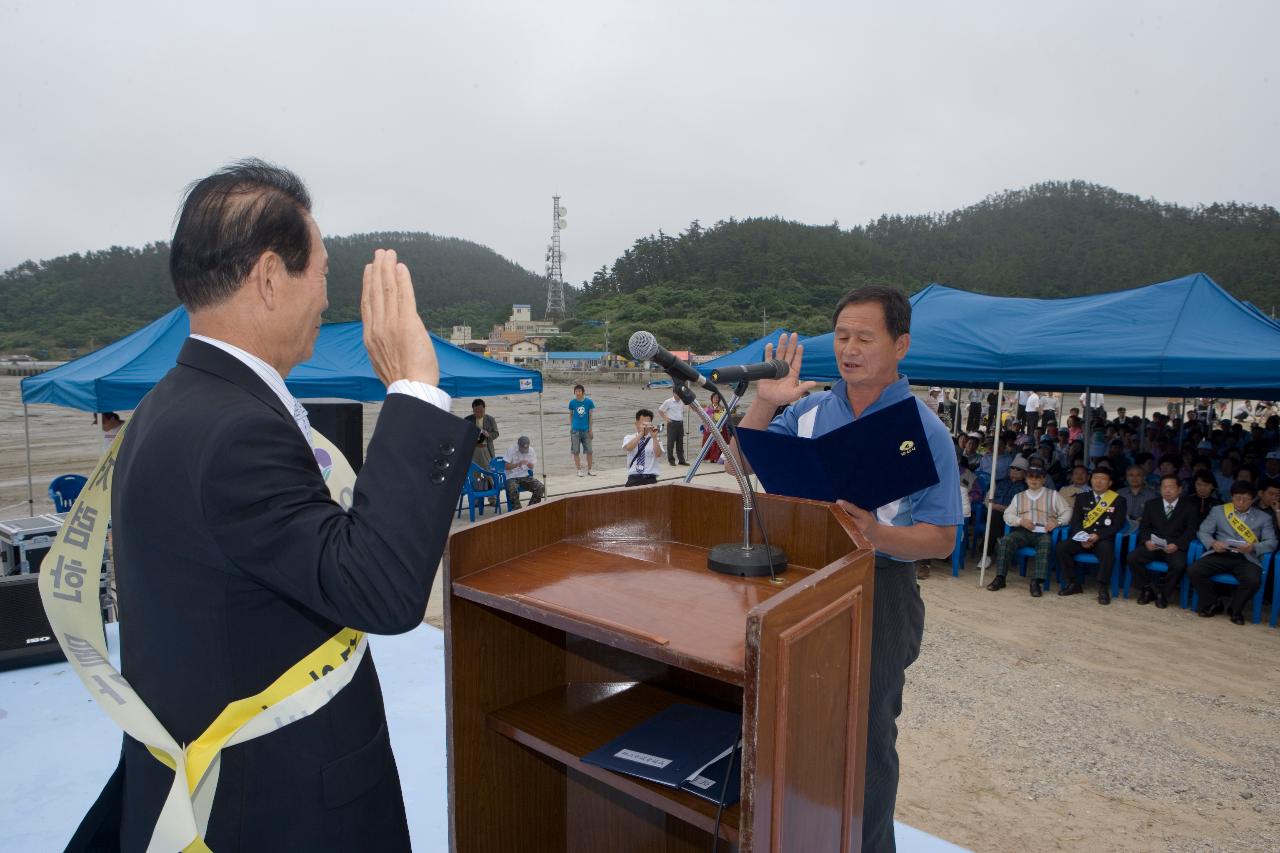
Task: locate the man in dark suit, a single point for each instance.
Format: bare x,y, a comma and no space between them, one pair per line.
1096,520
1173,521
233,561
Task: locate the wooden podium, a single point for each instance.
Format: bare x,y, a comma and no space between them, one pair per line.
572,621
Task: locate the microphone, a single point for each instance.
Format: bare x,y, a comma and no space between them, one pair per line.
774,368
645,347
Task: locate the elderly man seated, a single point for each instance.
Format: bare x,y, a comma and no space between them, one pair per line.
1032,516
999,502
1236,536
521,462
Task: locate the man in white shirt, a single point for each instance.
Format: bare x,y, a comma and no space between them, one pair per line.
1048,410
672,412
1033,411
522,461
644,451
1032,516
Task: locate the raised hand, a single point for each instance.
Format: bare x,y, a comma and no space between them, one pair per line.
398,344
788,389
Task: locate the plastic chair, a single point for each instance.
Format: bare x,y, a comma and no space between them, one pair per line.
64,490
1158,566
1275,597
498,471
1267,565
1118,555
476,496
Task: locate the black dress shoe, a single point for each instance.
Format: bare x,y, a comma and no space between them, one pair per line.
1161,600
1237,618
1145,596
1210,610
1036,592
1072,588
1104,596
997,583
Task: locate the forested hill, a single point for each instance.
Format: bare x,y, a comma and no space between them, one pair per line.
90,299
1050,240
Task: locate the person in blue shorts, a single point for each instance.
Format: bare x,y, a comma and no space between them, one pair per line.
580,434
872,334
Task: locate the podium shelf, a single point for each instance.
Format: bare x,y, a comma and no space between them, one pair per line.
655,599
569,721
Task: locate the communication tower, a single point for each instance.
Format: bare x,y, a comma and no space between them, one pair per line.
555,259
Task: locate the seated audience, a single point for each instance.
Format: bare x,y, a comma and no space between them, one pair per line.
1079,483
1204,496
1032,516
1136,493
1235,536
521,462
1165,532
1097,518
999,502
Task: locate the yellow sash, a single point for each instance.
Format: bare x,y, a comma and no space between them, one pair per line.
1104,501
1238,525
69,587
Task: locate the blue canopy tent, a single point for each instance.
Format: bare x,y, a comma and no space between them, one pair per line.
118,376
1187,338
749,354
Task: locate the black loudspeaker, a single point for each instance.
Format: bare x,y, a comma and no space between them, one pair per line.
26,638
342,422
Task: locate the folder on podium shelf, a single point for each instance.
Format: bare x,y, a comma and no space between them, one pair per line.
672,746
586,619
869,462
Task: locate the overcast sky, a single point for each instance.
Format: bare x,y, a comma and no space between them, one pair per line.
463,119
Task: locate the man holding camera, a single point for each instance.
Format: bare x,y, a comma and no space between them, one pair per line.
644,451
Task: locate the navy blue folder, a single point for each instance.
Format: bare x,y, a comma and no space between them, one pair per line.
671,745
869,462
709,782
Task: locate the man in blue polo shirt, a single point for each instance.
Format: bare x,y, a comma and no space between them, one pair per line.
872,334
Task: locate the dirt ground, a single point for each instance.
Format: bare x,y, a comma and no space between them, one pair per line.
1028,724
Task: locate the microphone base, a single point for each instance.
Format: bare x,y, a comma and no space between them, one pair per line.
732,559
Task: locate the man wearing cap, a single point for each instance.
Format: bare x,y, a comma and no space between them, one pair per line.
1271,466
1164,533
1235,536
1098,517
521,462
1000,500
1031,516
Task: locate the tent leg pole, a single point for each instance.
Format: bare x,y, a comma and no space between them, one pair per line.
1182,424
1088,424
1142,437
26,428
542,444
991,487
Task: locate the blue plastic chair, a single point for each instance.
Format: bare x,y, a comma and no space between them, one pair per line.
1119,554
498,471
1275,596
1267,565
64,490
1160,566
475,497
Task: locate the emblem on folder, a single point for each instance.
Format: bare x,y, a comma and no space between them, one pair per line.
906,447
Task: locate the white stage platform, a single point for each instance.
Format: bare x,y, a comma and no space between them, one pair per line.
58,749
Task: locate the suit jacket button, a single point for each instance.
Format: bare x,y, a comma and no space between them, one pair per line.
442,464
438,477
446,448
